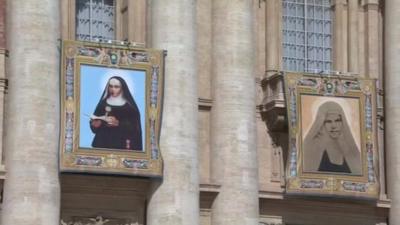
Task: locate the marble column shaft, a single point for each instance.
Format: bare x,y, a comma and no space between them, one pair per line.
32,192
175,200
233,132
392,106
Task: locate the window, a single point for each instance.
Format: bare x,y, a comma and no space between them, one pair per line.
95,20
307,35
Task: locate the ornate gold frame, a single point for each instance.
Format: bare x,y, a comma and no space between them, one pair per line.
326,183
111,161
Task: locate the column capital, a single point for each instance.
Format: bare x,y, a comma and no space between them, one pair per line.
370,3
338,2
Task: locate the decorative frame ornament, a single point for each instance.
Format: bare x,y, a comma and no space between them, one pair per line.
149,62
298,88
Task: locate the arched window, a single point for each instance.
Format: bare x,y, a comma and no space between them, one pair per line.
307,35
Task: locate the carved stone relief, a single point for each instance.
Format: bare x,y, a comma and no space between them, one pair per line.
271,220
273,112
98,220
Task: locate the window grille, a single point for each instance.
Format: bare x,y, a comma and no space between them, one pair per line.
95,20
307,35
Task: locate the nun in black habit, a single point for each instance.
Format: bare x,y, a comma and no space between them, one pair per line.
116,119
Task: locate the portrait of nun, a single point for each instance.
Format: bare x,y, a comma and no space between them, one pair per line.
116,119
329,146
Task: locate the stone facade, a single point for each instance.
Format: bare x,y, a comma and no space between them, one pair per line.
223,165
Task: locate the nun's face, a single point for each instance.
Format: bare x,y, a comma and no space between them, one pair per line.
333,125
114,88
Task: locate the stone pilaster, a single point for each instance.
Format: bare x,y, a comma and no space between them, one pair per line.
32,192
3,80
2,24
353,36
340,36
392,106
272,36
372,8
175,199
233,131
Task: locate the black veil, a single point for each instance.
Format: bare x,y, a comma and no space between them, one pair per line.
106,137
125,93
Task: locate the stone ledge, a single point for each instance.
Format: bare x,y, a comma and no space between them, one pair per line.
2,172
270,195
205,103
208,193
383,203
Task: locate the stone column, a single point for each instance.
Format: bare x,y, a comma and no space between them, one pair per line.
175,200
353,36
374,69
32,192
392,106
233,130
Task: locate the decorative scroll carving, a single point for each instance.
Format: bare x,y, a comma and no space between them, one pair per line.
88,161
271,220
356,187
91,52
315,184
138,164
113,56
98,220
293,158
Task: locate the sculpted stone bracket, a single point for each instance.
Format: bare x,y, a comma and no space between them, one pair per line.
273,106
208,193
332,136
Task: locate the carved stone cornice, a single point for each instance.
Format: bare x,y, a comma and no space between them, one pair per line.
370,4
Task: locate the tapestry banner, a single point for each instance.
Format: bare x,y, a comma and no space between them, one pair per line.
332,136
111,101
